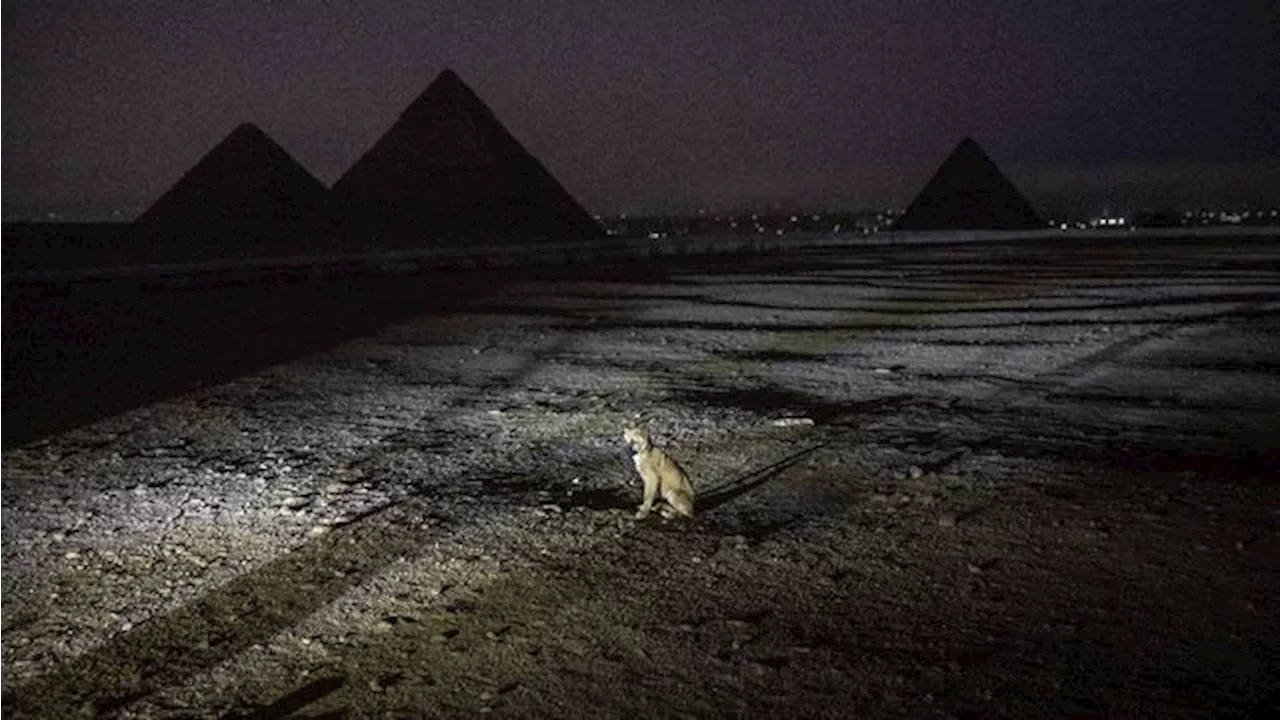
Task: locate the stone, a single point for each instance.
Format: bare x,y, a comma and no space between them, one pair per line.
337,488
293,502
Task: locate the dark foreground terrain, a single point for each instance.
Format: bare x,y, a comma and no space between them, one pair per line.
1000,479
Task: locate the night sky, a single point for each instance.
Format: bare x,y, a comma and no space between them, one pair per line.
661,106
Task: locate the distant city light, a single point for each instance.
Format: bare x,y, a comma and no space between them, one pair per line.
710,221
1108,222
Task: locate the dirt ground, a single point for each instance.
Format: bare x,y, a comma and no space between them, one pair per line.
981,479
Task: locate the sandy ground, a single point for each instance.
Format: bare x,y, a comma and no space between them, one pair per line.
958,480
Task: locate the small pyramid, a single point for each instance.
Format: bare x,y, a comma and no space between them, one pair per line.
246,182
968,192
448,168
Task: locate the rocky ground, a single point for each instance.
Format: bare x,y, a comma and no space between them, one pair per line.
973,480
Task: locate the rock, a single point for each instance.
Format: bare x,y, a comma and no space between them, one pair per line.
792,422
336,488
444,636
738,542
882,371
293,502
320,530
915,472
947,520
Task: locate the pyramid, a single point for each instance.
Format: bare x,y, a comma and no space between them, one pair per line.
968,192
245,183
448,170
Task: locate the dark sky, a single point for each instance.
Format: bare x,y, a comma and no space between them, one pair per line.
653,105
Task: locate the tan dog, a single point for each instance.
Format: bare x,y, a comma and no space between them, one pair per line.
660,473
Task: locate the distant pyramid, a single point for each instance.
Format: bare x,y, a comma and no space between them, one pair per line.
448,169
245,183
968,192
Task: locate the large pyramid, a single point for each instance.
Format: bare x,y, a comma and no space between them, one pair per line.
245,184
968,192
447,170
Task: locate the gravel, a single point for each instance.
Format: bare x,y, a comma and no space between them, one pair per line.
980,480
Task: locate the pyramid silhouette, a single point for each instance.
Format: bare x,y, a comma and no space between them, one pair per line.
968,192
448,170
246,183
